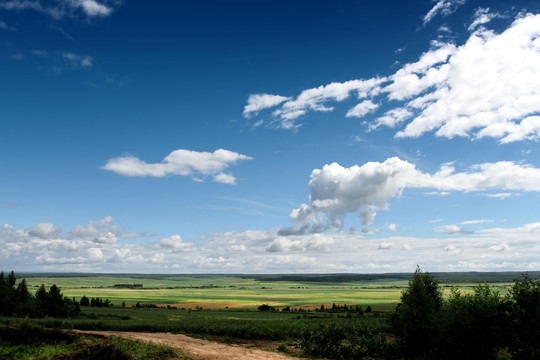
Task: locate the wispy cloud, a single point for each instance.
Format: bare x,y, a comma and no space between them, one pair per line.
474,222
258,102
78,60
316,98
486,87
58,9
503,195
180,162
482,16
5,26
443,8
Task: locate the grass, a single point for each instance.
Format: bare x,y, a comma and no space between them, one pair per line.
24,339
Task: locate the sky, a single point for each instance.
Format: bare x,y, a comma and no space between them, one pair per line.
269,136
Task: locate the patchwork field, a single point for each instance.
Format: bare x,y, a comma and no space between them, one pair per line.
244,292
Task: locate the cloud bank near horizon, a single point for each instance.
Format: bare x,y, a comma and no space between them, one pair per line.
44,247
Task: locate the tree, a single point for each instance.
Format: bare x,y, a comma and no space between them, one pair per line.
53,303
85,301
524,298
416,315
24,300
473,326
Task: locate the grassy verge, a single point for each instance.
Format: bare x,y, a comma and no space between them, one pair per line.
23,339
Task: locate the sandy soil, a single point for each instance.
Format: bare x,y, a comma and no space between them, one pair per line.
198,349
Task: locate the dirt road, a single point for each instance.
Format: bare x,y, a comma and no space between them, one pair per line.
198,349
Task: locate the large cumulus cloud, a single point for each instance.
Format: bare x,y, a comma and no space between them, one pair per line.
336,191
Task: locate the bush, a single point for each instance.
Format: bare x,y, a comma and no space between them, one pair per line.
356,340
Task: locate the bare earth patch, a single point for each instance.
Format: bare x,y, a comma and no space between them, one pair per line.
198,349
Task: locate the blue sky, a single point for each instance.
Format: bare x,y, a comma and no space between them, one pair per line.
269,136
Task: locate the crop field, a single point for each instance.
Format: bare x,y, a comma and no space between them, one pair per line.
219,292
240,291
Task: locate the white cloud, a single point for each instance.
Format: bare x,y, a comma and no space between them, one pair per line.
58,9
315,242
180,162
44,231
225,178
78,60
175,242
257,102
500,247
95,254
336,191
490,88
106,238
500,195
452,230
474,222
315,99
95,230
391,118
486,87
92,8
264,251
414,78
362,109
444,8
385,245
482,16
392,227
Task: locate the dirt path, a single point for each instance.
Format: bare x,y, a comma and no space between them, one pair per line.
198,349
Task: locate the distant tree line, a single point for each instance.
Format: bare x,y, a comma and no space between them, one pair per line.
18,301
128,286
97,302
333,309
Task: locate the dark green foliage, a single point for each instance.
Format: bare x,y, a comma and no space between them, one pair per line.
265,307
481,325
85,301
524,301
357,340
99,302
17,301
473,326
416,316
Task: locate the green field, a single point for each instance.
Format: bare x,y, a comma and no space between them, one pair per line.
247,292
223,292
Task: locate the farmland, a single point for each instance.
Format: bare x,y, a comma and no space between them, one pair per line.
381,292
318,315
